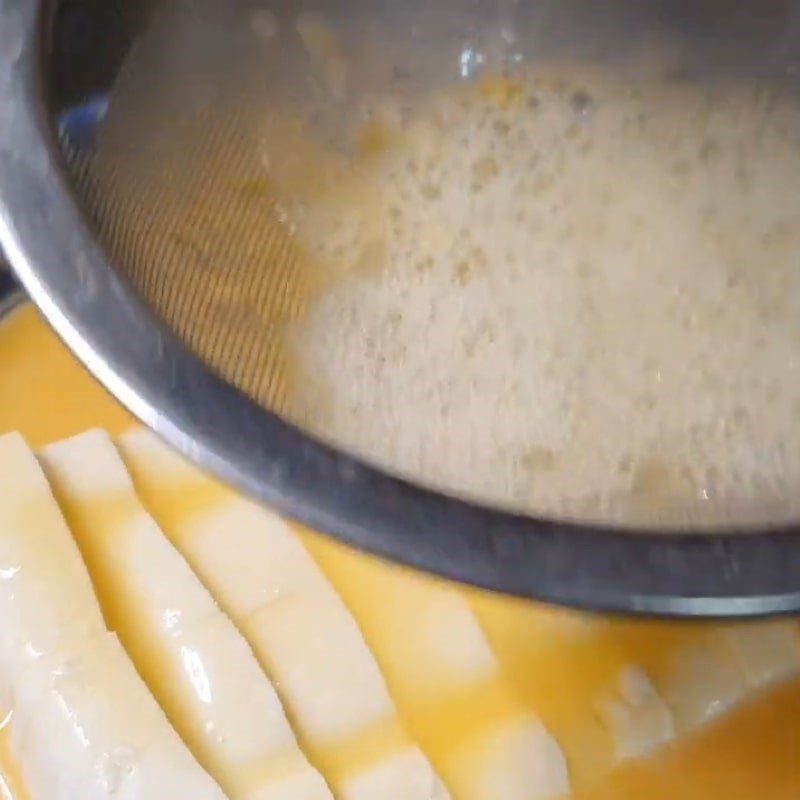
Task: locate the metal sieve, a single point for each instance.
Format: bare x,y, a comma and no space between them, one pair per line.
134,210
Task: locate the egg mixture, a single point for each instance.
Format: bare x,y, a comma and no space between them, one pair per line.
571,291
163,637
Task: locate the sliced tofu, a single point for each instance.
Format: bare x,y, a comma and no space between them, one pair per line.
192,508
427,638
315,664
46,597
648,683
700,683
192,656
232,714
748,754
570,672
515,760
767,652
86,727
639,720
691,666
405,776
78,704
258,570
440,667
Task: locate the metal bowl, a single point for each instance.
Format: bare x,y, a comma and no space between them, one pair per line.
10,294
54,55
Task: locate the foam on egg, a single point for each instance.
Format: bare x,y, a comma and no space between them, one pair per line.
566,293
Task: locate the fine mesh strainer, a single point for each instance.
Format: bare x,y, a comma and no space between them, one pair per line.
135,207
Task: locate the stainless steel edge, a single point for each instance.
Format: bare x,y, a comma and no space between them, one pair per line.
66,273
11,297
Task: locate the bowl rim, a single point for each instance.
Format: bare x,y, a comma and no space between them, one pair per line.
600,567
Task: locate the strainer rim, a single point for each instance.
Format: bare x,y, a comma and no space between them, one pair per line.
64,270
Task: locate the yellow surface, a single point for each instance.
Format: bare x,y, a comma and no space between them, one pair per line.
44,393
555,661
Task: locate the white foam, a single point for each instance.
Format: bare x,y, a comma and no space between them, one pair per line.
567,295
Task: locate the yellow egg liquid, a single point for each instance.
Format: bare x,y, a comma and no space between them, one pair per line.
551,663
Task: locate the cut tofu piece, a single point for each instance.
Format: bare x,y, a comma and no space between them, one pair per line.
404,776
638,718
569,671
517,760
46,597
700,684
691,666
259,572
67,742
428,638
192,656
314,665
232,714
192,509
85,726
748,754
766,651
439,666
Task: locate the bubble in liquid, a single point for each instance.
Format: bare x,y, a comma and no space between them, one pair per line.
591,297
